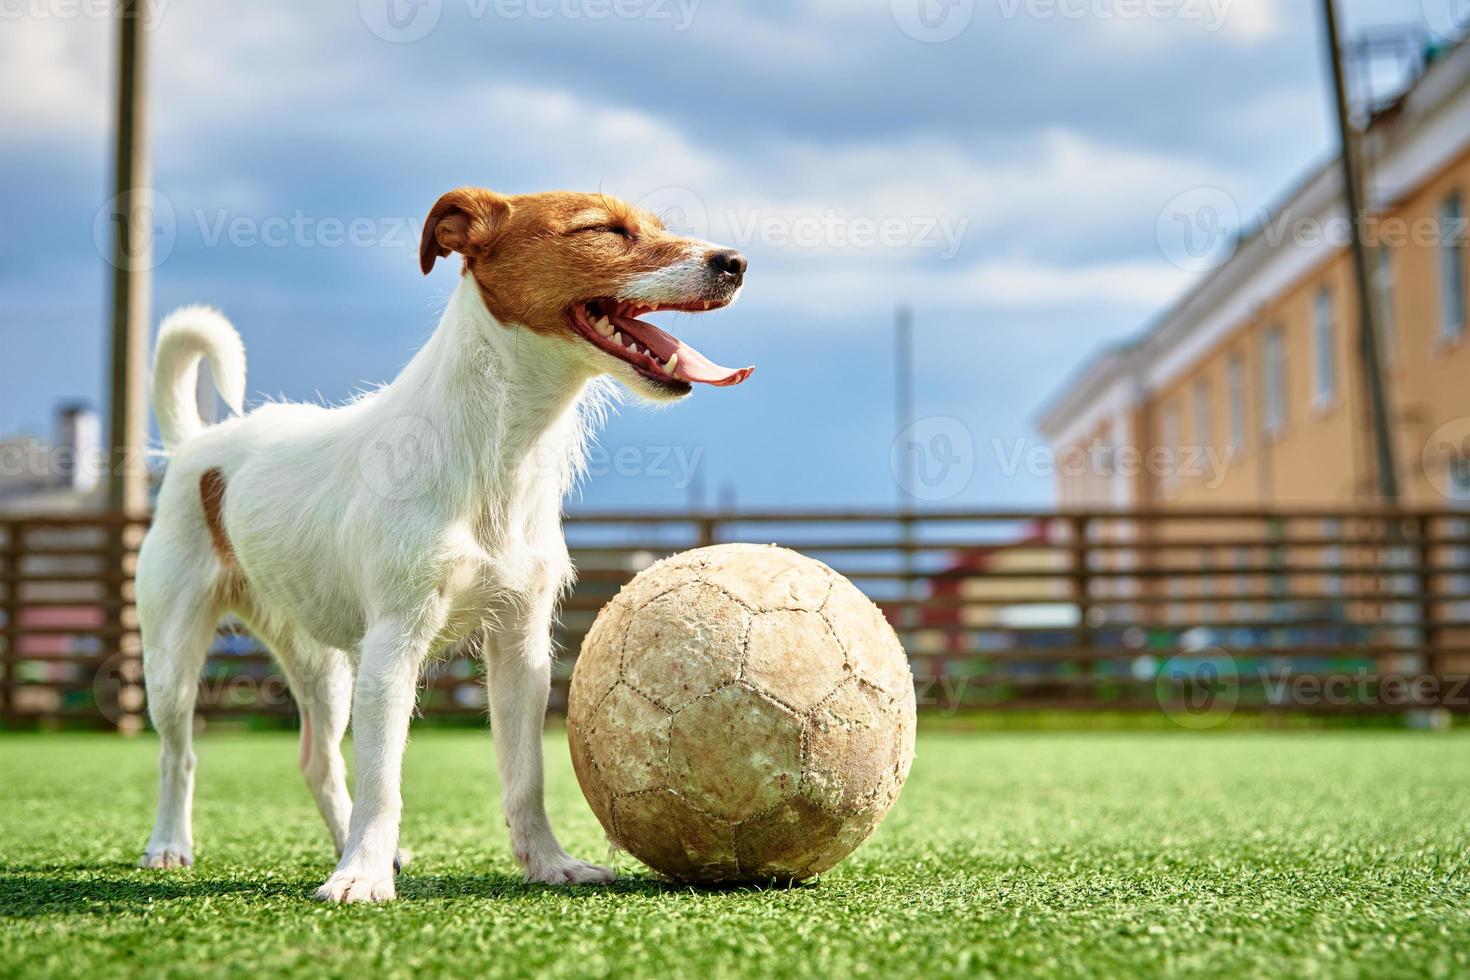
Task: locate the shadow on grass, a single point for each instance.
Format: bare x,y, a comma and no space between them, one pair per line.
508,886
104,889
30,891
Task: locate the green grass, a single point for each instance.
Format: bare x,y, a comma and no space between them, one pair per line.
1057,853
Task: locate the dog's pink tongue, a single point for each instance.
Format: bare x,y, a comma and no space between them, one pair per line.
692,365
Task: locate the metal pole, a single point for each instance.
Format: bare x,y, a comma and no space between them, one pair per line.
1388,487
132,230
132,220
903,366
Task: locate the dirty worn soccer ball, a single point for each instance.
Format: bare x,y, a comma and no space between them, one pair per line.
741,713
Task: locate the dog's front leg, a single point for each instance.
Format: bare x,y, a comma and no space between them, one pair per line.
382,704
518,657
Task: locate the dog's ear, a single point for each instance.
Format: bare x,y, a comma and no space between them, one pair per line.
467,220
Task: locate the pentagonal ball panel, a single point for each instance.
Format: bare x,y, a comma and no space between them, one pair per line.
629,741
793,657
672,836
684,644
735,752
854,741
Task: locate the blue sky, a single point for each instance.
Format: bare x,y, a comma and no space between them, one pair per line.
1006,181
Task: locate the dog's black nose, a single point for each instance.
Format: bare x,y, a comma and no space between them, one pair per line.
728,261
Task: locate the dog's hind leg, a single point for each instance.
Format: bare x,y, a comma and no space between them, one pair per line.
177,617
321,680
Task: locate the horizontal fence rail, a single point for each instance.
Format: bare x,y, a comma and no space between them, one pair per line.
1192,613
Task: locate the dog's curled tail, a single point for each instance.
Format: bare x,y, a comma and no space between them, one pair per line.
187,336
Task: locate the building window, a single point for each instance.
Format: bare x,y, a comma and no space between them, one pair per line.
1235,381
1324,348
1388,323
1452,267
1169,437
1273,366
1204,423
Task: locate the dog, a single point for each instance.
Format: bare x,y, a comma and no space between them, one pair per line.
356,542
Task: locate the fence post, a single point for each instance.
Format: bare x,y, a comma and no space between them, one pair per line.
1082,596
1429,628
708,530
10,576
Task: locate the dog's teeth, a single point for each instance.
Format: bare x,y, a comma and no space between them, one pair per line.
618,338
604,327
673,363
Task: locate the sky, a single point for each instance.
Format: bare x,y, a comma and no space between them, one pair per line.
1006,169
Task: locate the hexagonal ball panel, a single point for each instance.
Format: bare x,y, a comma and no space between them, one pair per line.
671,836
629,741
735,752
873,650
764,576
854,739
684,644
785,843
793,657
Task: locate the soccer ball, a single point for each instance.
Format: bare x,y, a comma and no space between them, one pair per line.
741,713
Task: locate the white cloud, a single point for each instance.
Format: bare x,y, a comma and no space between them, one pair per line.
1129,287
1125,285
832,225
1252,20
1146,24
52,71
1053,181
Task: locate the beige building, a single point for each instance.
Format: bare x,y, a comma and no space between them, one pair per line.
1250,390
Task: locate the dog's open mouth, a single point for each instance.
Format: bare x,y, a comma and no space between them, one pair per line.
613,326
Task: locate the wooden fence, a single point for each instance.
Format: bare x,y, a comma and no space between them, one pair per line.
1192,613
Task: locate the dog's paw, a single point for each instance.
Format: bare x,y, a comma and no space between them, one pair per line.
357,886
167,856
565,870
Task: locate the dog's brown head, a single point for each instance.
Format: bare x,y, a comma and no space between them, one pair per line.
584,267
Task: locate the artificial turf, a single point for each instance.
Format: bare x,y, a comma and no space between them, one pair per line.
1340,853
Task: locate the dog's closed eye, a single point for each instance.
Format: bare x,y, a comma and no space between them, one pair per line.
621,231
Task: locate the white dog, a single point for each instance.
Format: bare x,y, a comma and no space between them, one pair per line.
358,541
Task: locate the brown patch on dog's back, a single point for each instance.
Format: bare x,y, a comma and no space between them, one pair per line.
212,496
